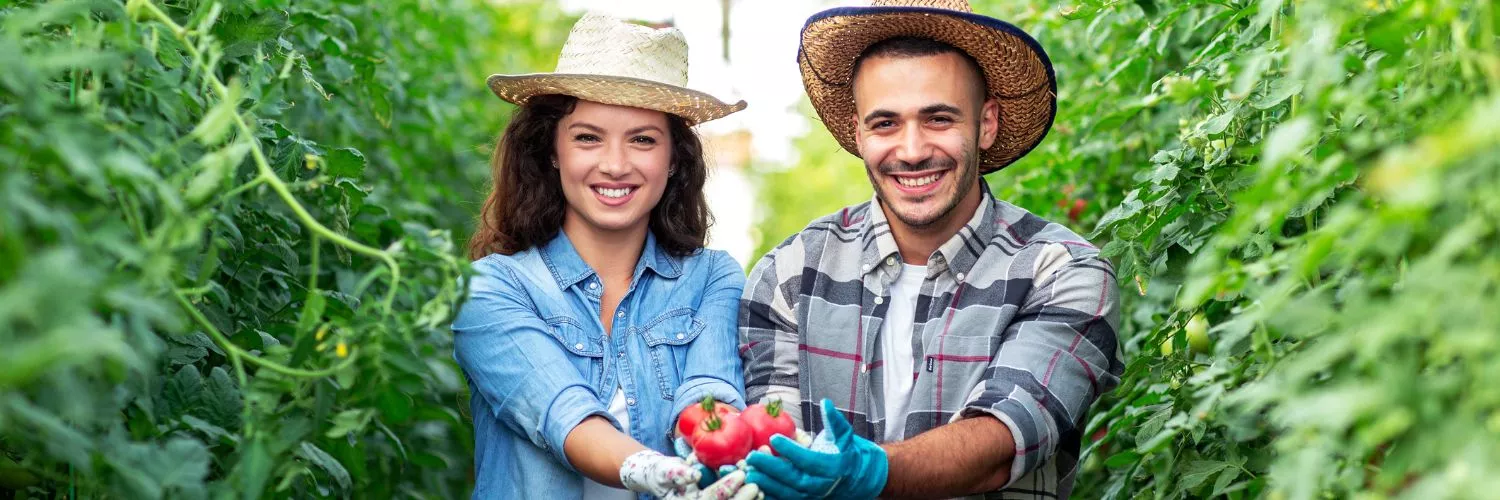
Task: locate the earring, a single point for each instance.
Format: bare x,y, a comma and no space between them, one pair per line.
554,164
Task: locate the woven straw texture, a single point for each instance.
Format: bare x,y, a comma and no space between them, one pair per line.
1016,70
611,61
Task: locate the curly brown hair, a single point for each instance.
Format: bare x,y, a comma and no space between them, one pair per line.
525,206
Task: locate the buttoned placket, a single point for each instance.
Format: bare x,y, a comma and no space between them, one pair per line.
617,370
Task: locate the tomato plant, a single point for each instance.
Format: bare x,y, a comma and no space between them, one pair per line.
227,236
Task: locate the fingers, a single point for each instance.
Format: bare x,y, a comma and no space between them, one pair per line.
680,446
823,464
772,487
788,474
748,492
706,476
834,421
725,487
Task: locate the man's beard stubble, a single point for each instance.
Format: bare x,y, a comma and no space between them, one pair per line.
966,177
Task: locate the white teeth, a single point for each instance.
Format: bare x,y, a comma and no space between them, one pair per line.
917,182
613,193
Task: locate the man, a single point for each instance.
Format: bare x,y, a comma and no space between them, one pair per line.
965,335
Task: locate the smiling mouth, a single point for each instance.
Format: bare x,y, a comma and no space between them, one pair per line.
916,182
613,192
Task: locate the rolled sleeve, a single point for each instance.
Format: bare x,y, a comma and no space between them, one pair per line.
1057,357
713,366
528,379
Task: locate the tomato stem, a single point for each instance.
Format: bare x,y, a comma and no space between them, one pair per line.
774,408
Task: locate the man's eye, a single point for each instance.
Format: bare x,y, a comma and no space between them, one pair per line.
942,119
883,124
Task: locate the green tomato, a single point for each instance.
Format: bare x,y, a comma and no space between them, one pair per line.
1197,334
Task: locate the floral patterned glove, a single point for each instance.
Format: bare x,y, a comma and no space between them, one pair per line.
653,473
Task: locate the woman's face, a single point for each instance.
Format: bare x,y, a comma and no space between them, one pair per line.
614,163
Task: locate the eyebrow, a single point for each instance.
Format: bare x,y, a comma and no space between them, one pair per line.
941,108
597,130
930,109
644,128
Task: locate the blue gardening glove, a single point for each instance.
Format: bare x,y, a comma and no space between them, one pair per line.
685,452
856,470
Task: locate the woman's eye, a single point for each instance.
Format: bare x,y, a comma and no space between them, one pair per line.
586,138
642,139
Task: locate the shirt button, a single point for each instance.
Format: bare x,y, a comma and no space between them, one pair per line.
864,368
622,354
960,276
879,300
890,261
630,401
620,314
593,285
578,346
681,336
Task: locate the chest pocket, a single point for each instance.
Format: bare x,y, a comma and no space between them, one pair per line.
586,350
668,338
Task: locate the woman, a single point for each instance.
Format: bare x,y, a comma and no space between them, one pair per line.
595,314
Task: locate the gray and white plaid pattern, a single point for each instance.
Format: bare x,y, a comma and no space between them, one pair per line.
1016,319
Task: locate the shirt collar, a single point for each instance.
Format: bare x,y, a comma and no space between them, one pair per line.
568,268
958,254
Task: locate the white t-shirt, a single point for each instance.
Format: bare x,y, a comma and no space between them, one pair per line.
895,347
592,490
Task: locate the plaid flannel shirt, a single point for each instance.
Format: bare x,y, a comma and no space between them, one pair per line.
1016,319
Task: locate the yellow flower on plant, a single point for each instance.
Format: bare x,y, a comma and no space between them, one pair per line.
342,350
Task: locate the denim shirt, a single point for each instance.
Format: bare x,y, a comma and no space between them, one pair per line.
538,360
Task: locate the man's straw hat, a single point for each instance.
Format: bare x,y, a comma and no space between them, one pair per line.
1015,66
611,61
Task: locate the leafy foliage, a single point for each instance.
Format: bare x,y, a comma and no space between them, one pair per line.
1318,181
227,235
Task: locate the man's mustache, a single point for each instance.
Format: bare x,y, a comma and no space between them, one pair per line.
897,166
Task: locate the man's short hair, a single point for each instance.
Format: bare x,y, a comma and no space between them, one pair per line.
907,46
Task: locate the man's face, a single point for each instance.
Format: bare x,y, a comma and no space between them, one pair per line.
920,122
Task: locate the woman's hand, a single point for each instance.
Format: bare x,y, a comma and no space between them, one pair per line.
730,487
648,471
674,478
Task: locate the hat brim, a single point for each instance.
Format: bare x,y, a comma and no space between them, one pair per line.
694,106
1017,70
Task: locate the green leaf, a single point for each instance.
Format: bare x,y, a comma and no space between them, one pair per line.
346,162
395,407
221,399
326,462
254,469
1197,472
1287,139
1122,459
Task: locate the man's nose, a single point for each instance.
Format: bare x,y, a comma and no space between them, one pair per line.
914,147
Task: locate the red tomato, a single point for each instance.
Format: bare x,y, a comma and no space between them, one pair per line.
692,416
722,440
766,421
1077,210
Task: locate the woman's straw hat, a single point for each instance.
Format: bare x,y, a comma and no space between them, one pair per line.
611,61
1015,66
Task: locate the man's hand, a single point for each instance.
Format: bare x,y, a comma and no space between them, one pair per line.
855,467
